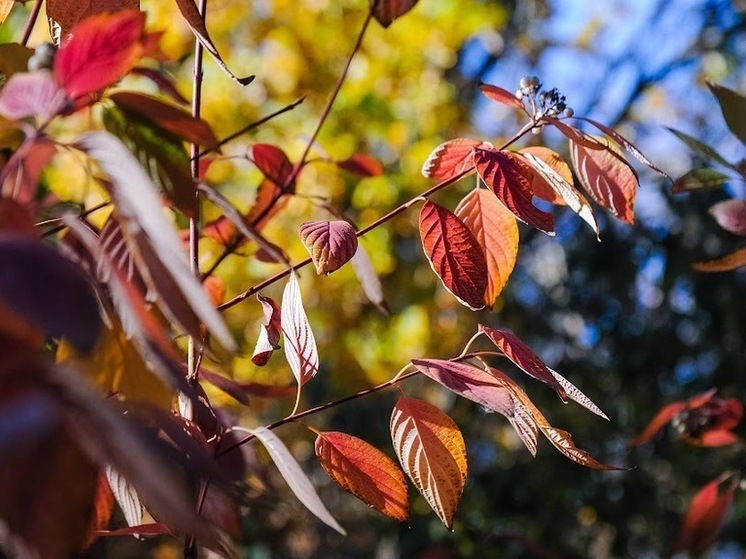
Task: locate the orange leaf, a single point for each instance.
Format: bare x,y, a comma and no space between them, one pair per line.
501,96
102,49
270,199
452,158
5,7
432,452
274,165
660,420
726,263
454,254
541,188
364,471
706,515
386,11
510,179
64,14
607,177
361,165
496,231
103,508
331,244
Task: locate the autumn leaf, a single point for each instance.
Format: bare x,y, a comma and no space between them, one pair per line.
495,229
368,278
269,333
733,106
731,261
64,15
731,216
20,176
300,345
331,244
361,165
452,158
386,11
364,471
541,188
607,177
5,7
100,51
103,509
510,180
577,396
432,452
454,254
31,94
501,96
274,165
698,179
126,497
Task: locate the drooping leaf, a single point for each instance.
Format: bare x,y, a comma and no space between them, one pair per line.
20,176
576,135
432,452
64,15
331,244
150,529
733,106
99,52
523,357
386,11
698,179
240,391
706,515
368,278
274,165
159,152
138,204
730,215
270,199
510,180
454,254
496,231
361,165
31,94
196,23
167,117
300,345
126,496
103,509
576,395
701,148
731,261
545,173
45,289
364,471
501,96
607,177
269,333
294,476
452,158
541,188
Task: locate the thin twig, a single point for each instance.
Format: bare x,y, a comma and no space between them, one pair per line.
31,22
82,214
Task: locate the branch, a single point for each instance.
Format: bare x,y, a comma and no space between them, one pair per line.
31,22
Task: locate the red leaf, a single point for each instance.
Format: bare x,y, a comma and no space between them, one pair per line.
576,135
452,158
270,199
607,177
269,335
501,96
661,419
364,471
731,216
496,231
386,11
167,117
17,218
361,165
431,450
735,259
331,244
31,94
64,15
520,354
20,176
103,509
300,345
102,49
151,529
706,515
241,390
721,437
511,182
274,165
454,254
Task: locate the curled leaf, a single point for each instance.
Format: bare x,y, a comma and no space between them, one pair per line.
542,188
731,261
269,333
300,344
330,243
731,216
386,11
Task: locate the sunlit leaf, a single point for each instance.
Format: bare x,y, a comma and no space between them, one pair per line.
607,177
501,96
706,515
701,148
733,105
196,23
496,231
361,165
65,14
300,345
294,476
103,509
368,278
165,84
5,7
541,188
731,261
576,395
452,158
126,496
331,244
270,199
386,11
522,356
31,94
731,216
99,52
454,254
510,180
269,333
432,452
700,178
20,176
274,165
364,471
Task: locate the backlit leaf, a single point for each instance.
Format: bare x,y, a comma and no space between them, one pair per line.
126,497
300,345
368,278
274,164
362,165
196,23
607,177
165,84
386,11
167,117
65,14
270,199
541,188
20,176
501,96
294,476
576,395
31,94
452,158
100,51
496,231
706,515
269,333
733,105
103,509
331,244
364,471
700,148
5,7
732,261
730,215
432,452
521,355
454,254
510,180
700,178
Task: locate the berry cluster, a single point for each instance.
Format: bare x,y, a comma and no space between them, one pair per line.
543,103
